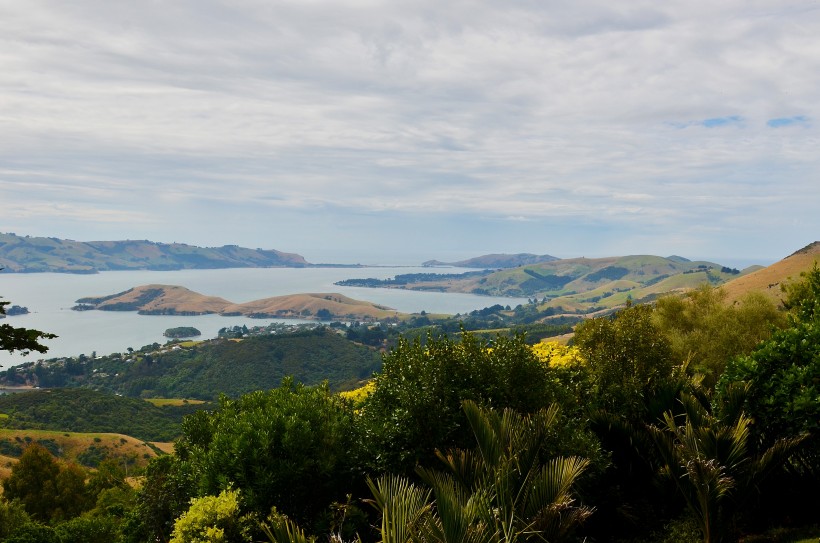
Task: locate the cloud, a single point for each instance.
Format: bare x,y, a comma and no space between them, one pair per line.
592,112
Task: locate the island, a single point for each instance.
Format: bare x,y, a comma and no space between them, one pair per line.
176,300
181,332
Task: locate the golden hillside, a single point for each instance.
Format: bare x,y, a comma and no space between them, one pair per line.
175,300
71,446
769,280
300,305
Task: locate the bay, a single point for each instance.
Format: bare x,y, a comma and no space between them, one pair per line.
50,296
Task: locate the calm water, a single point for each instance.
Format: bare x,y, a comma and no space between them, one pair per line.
49,297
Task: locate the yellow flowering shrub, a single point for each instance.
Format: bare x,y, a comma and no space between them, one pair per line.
205,521
358,395
556,354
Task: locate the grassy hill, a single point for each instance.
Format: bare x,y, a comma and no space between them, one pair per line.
85,410
87,449
38,254
581,285
769,280
206,369
176,300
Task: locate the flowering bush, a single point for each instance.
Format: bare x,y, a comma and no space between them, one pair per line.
555,354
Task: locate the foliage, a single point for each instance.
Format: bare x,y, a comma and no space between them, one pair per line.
503,490
89,530
211,519
293,447
713,464
33,532
182,331
47,489
23,340
783,380
629,359
12,516
704,330
164,495
218,367
83,410
418,381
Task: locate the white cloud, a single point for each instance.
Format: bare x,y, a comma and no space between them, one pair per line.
594,111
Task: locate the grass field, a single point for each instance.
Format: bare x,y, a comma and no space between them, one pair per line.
81,448
162,402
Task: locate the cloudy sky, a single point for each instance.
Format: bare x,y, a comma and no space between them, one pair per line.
397,131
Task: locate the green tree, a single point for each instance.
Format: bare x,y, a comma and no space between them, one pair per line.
164,495
33,481
504,490
49,490
12,516
415,407
704,332
629,358
212,519
713,464
23,340
783,380
293,447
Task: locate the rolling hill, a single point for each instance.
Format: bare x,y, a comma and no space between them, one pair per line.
176,300
202,370
770,279
578,284
26,254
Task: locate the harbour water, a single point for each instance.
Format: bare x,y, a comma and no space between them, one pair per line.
50,296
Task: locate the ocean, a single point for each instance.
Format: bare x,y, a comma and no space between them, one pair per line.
50,296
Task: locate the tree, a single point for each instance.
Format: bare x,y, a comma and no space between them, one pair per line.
713,463
705,332
415,407
12,516
212,519
504,490
47,489
23,340
629,358
33,481
293,447
165,494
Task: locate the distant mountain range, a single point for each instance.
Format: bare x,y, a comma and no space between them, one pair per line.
495,261
36,254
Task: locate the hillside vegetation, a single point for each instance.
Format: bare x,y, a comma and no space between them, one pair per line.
176,300
84,410
38,254
86,449
207,369
577,285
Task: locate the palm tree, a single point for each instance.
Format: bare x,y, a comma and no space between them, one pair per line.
712,462
502,490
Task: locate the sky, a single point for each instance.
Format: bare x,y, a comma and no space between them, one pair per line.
400,131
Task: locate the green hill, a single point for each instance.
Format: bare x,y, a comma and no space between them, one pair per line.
581,284
84,410
38,254
207,369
